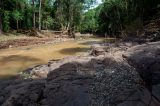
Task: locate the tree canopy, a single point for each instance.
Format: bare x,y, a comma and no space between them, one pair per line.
117,15
111,17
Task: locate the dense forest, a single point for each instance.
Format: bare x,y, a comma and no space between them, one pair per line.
62,15
113,17
118,17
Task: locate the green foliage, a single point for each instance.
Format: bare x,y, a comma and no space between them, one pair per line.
117,15
112,16
56,14
48,22
69,14
89,22
6,23
17,15
27,21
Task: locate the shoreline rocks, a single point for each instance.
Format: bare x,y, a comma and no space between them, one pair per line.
116,78
146,60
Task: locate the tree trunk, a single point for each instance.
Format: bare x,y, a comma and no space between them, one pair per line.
17,25
40,5
34,15
71,32
0,25
1,5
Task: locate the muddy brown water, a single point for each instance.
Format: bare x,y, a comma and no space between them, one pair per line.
15,60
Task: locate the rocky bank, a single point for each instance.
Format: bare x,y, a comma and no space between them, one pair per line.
121,74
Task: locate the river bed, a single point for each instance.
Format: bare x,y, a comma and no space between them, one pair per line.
15,60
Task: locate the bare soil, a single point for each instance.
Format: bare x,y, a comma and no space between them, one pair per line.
28,41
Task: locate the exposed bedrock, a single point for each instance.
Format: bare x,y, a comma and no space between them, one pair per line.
129,77
146,60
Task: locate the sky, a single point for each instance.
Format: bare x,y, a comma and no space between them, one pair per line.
95,5
98,2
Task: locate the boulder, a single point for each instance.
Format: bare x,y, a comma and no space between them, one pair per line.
91,81
66,87
146,59
141,97
25,94
97,50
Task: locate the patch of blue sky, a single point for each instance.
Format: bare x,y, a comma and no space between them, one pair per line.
98,2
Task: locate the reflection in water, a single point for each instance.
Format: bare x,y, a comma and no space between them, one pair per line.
15,60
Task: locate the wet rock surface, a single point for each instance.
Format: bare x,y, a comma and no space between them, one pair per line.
117,78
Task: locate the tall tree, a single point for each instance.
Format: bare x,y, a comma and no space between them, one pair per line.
17,16
69,13
40,14
118,15
0,25
34,14
0,16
